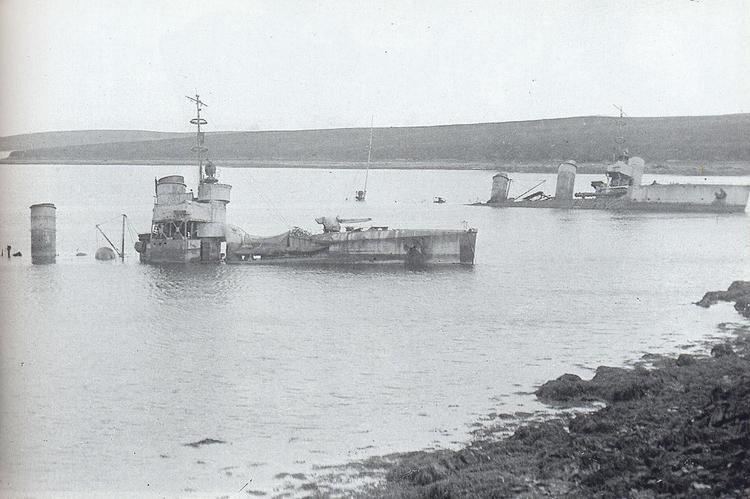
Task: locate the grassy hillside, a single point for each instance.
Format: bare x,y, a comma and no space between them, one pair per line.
586,139
78,137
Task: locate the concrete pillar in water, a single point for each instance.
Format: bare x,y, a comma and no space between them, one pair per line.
43,233
500,185
566,179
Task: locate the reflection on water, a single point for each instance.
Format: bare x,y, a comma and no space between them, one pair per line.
109,369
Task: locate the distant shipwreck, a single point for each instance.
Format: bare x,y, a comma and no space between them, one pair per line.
188,228
622,190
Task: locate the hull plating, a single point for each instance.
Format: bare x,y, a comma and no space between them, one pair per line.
411,247
694,198
626,205
180,251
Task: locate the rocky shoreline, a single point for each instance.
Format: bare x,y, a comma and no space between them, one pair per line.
738,292
670,427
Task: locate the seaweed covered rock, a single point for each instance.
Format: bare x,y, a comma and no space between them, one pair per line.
730,407
742,305
685,359
721,350
617,384
609,384
566,388
738,292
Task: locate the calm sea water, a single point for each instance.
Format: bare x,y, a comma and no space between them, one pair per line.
108,369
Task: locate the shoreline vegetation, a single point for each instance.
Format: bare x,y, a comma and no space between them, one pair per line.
670,426
687,168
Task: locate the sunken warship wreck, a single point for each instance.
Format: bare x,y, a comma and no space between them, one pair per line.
622,190
190,228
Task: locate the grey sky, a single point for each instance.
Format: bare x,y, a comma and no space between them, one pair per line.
316,64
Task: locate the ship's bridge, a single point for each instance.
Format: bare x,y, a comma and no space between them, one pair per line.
214,192
174,204
170,190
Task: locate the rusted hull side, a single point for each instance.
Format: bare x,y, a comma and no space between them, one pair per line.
410,247
160,251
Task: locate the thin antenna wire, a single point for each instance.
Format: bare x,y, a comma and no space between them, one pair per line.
270,205
369,152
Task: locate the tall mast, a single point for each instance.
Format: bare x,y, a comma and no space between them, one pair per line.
369,154
122,242
620,139
198,148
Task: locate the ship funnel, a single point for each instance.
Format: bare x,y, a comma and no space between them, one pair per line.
566,178
500,187
637,166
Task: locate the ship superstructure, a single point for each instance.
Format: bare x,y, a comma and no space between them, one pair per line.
190,228
186,227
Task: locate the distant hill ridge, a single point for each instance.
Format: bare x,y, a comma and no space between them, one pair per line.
586,139
79,137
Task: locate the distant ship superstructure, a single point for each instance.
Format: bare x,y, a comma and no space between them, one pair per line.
622,190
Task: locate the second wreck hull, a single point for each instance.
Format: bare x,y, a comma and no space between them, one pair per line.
623,191
685,198
374,246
